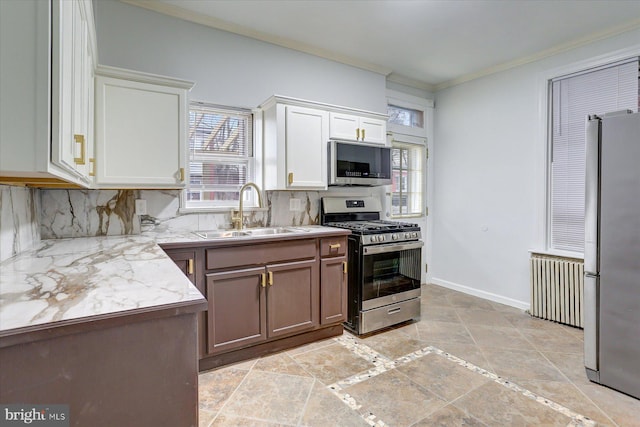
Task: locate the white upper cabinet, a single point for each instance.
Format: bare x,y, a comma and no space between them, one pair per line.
295,147
141,129
358,128
47,92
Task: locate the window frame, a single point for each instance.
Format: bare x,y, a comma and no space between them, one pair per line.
542,230
407,142
252,164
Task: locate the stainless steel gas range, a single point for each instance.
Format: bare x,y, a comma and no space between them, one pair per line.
384,263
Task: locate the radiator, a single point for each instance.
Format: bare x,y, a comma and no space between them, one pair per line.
557,289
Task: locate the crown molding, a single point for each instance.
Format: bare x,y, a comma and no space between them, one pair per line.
614,31
408,81
209,21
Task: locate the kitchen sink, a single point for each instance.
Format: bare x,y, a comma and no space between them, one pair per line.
248,232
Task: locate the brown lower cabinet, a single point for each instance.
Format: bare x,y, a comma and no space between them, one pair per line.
267,296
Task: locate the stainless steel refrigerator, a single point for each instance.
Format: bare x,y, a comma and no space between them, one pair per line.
612,252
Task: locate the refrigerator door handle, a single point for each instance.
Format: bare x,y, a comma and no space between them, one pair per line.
591,321
592,195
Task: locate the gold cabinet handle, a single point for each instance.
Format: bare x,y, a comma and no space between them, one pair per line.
344,267
270,280
357,133
362,134
190,266
92,169
181,174
79,139
290,178
335,246
263,280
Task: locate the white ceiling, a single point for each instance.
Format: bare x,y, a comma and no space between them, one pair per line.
428,44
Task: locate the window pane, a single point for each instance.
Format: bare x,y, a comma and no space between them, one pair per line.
220,156
405,116
407,179
572,99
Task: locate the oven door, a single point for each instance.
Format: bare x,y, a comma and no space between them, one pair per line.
390,273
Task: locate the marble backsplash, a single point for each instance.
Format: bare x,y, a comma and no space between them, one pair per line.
19,227
79,213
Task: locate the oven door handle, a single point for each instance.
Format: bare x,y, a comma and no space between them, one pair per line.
392,247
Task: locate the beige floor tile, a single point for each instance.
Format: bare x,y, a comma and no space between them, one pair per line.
205,418
312,346
332,363
440,314
393,343
281,363
526,321
224,420
324,409
270,397
449,416
467,352
623,409
460,300
557,340
483,317
496,405
571,365
441,376
522,364
395,399
215,387
433,332
569,396
495,338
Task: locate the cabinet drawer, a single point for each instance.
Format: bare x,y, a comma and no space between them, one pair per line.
336,246
260,254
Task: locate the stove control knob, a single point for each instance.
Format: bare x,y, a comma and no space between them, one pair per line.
415,234
374,238
407,235
381,238
395,237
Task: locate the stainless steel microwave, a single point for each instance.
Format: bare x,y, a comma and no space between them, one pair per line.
357,163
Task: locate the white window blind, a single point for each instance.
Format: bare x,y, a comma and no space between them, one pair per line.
573,98
220,155
408,161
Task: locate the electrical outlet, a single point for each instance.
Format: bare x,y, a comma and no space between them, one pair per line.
141,207
295,205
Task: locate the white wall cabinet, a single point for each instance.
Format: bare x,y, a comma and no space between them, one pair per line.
357,128
47,119
141,129
295,147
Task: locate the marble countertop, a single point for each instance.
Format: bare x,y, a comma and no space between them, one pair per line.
71,279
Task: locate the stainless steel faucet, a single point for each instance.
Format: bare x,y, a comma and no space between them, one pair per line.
237,219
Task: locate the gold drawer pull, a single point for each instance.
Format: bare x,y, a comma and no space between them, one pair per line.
190,266
263,280
79,139
92,169
344,267
334,246
363,134
270,280
181,174
290,178
357,133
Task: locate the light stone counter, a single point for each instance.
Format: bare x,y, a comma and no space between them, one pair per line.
72,279
78,278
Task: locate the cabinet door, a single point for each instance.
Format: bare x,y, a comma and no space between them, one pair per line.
140,133
344,126
237,310
186,261
306,147
333,290
292,297
373,130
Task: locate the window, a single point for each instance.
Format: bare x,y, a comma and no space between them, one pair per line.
220,156
610,88
408,161
405,116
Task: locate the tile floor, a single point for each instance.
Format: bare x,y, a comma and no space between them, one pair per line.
468,361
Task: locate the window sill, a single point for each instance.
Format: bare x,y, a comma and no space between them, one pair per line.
220,209
558,253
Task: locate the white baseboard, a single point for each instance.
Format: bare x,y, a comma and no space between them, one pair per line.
522,305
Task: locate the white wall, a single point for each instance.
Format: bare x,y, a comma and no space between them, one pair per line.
228,69
487,196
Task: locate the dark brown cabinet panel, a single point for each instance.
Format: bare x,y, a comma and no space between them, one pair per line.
333,290
292,297
185,260
237,309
